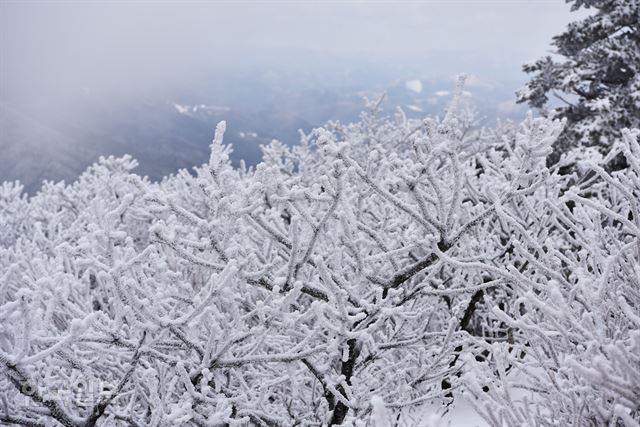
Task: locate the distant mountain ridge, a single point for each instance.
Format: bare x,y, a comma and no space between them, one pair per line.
173,132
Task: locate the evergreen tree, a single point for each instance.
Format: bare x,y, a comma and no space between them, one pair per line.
594,78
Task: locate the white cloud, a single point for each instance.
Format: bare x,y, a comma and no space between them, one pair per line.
157,43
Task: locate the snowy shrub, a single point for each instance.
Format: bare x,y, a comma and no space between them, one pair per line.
575,354
371,269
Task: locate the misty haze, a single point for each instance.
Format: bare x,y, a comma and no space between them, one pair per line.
81,80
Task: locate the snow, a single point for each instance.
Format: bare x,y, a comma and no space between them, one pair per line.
191,110
248,135
414,85
458,414
182,109
380,417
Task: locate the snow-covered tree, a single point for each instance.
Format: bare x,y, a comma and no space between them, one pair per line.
371,269
593,78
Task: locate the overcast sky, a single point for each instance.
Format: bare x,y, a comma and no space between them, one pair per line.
84,78
147,45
